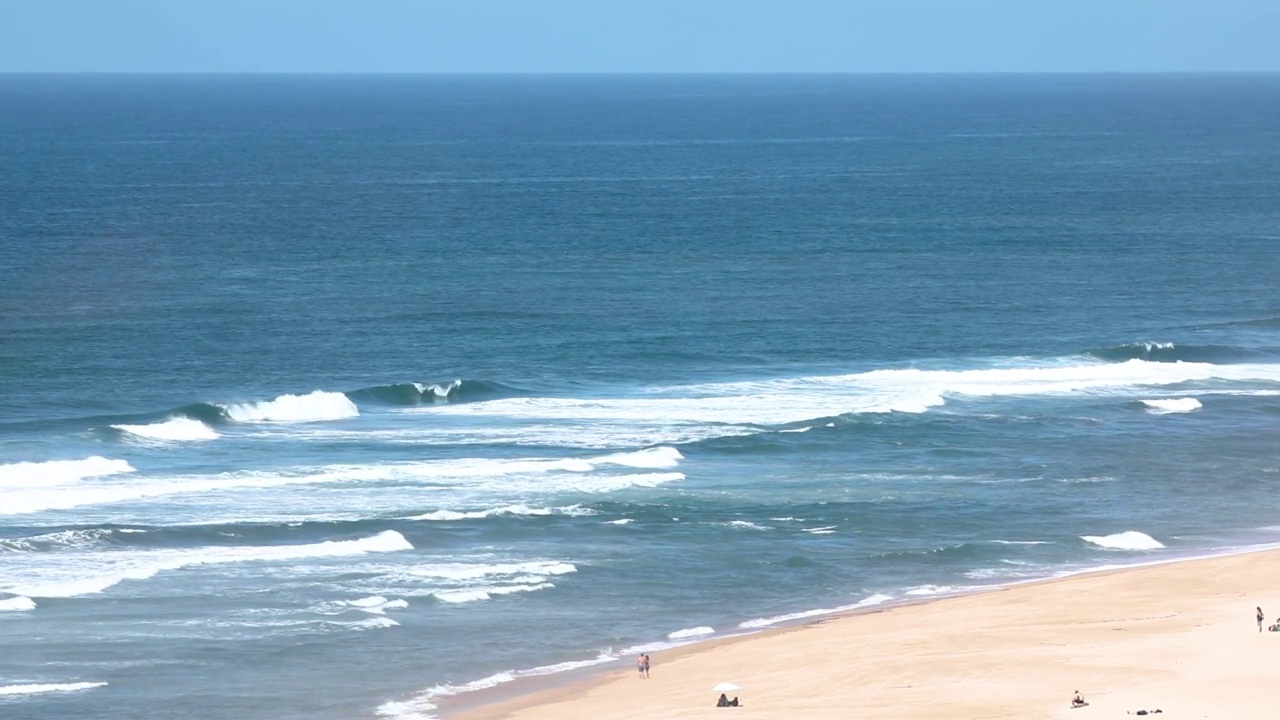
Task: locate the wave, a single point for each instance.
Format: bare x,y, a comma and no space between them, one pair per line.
175,429
17,603
420,707
313,407
60,472
566,474
1167,352
10,690
62,540
456,391
720,409
1128,540
1173,405
75,574
690,632
446,515
877,599
376,604
486,593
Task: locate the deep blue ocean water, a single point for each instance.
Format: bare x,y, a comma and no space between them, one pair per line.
334,397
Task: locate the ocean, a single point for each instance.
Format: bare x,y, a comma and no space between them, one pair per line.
344,397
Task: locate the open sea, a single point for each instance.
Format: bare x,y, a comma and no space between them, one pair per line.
341,398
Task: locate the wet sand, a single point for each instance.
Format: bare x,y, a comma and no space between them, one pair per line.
1180,637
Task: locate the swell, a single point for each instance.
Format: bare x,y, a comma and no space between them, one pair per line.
168,425
1167,352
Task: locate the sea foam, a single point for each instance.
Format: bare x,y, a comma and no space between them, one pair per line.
1128,540
312,407
174,429
75,574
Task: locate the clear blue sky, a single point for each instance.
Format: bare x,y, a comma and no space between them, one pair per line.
450,36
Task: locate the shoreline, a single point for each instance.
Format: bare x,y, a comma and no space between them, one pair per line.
579,690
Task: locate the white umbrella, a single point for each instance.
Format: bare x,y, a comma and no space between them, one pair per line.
726,687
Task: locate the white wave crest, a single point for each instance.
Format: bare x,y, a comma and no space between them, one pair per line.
375,604
60,540
447,515
620,521
1128,540
312,407
729,406
485,593
690,632
744,524
1173,405
17,603
84,573
877,599
420,707
174,429
651,458
60,472
7,690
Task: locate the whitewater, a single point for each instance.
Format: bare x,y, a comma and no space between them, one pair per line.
463,385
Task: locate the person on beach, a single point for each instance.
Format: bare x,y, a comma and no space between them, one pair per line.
642,665
1078,700
723,701
1261,617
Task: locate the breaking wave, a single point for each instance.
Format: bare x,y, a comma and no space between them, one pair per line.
456,391
59,472
1167,352
877,599
313,407
1172,405
9,690
446,515
17,603
174,429
75,574
1128,540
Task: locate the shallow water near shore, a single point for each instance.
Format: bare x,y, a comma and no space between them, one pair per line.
340,397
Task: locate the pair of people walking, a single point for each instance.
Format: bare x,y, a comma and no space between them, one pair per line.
642,665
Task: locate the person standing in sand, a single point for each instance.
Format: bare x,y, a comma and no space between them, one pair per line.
1260,618
642,665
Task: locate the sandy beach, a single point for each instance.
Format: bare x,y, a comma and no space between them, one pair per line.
1180,637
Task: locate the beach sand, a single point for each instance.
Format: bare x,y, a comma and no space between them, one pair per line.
1180,637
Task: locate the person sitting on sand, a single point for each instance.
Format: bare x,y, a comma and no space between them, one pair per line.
734,701
1145,712
723,701
1078,700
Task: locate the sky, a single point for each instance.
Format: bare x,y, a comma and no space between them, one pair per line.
648,36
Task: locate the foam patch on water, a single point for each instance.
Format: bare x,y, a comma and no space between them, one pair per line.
375,604
877,599
12,690
175,429
620,521
313,407
1172,405
691,632
825,530
59,472
17,603
1128,540
84,573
